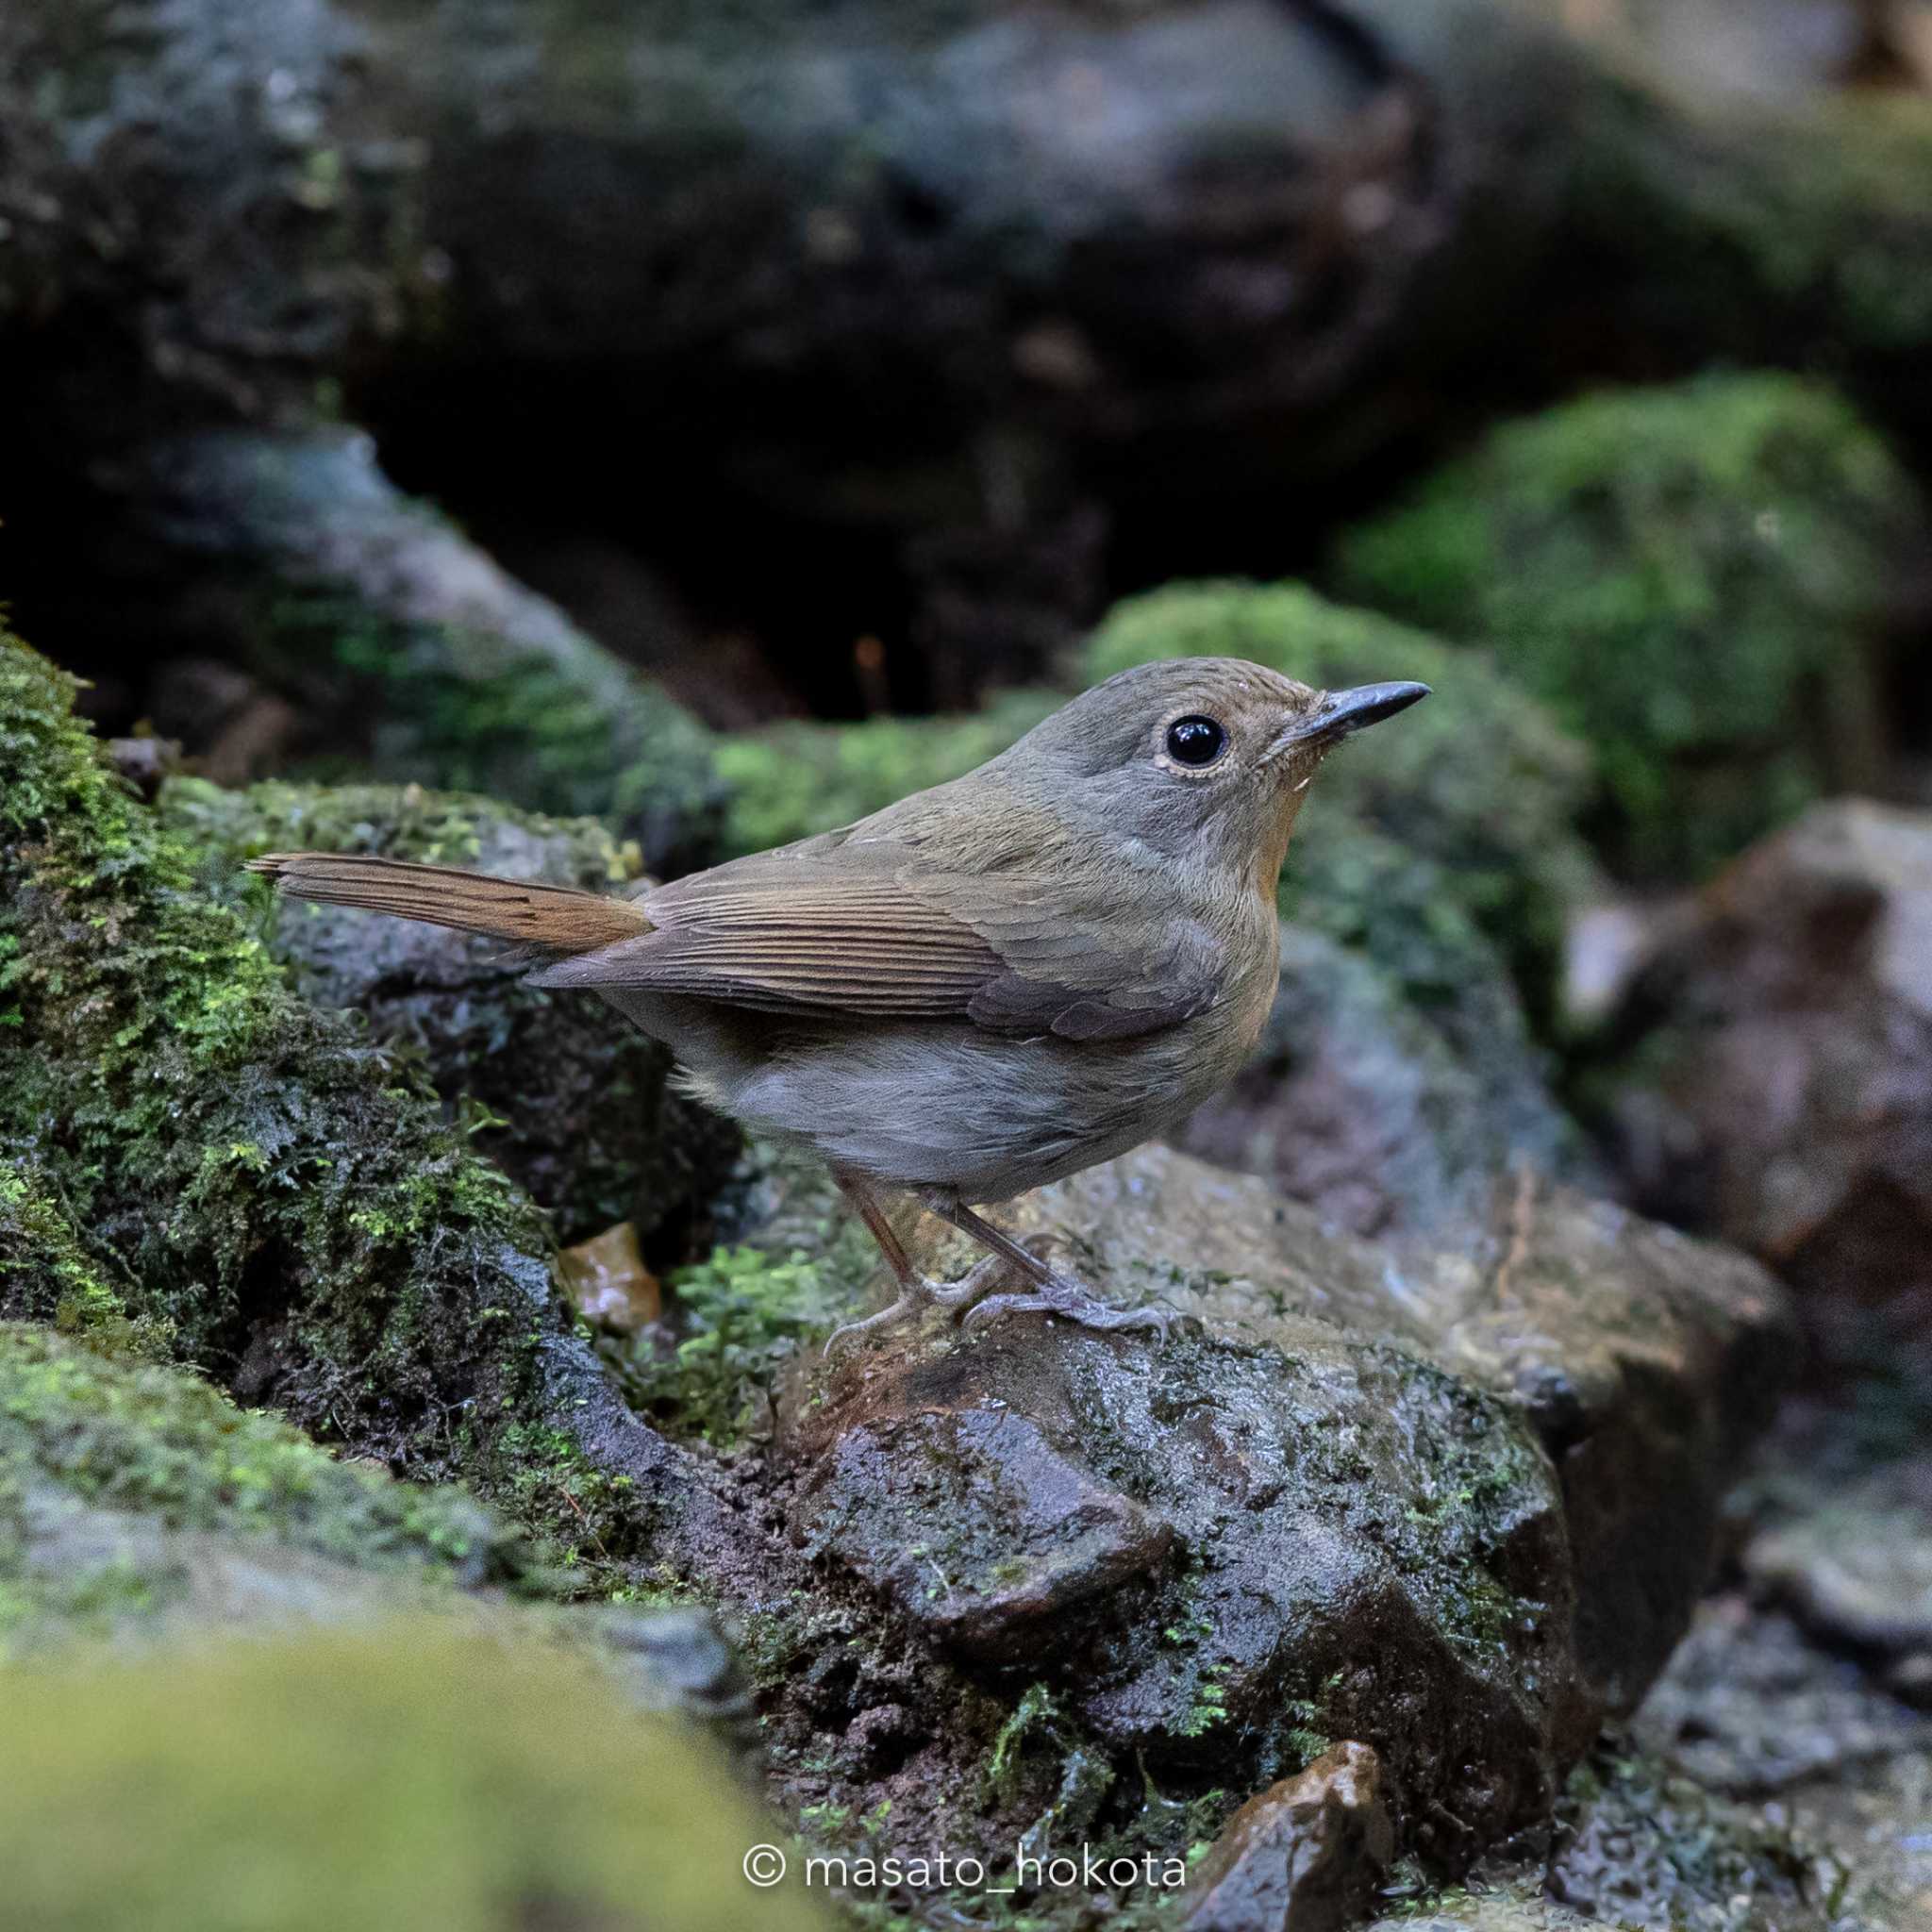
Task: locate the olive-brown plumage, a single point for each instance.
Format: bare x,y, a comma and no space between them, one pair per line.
982,987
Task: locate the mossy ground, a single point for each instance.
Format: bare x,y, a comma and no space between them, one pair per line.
1691,578
47,1275
793,780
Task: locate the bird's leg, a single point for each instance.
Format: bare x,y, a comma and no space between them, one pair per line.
916,1291
1054,1293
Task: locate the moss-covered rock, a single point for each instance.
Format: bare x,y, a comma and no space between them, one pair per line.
1453,1500
559,1090
393,1779
1693,578
46,1276
285,1195
137,1495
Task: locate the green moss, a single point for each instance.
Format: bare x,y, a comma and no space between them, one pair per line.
162,1446
406,648
793,780
1794,229
392,1780
286,1196
1690,576
46,1276
569,731
742,1315
1035,1715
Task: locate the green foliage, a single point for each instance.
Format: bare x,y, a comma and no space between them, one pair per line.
746,1314
1690,576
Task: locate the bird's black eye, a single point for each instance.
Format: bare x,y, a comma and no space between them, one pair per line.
1195,741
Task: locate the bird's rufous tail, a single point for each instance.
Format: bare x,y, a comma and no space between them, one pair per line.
527,910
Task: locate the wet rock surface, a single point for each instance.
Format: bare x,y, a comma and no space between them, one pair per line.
1304,1856
1366,1499
1776,1075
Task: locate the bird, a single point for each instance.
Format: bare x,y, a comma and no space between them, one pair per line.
981,989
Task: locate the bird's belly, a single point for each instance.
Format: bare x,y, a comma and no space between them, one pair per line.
939,1105
956,1107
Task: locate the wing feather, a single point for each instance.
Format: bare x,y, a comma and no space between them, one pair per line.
780,934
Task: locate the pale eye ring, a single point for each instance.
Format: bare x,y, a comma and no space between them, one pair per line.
1196,741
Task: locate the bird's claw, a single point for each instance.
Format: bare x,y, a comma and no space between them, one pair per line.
923,1293
1075,1305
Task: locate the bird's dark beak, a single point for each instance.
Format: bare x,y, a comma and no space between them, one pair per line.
1338,712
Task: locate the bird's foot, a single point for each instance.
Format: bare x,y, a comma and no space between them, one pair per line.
1062,1296
920,1292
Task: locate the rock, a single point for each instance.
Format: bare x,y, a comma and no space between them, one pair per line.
256,1180
1750,1708
1019,1536
915,286
1856,1576
1772,1078
1910,1679
1643,1847
682,1661
561,1092
403,646
1696,580
1453,1503
406,1775
139,1506
1304,1856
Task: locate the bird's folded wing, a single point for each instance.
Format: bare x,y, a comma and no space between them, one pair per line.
991,953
